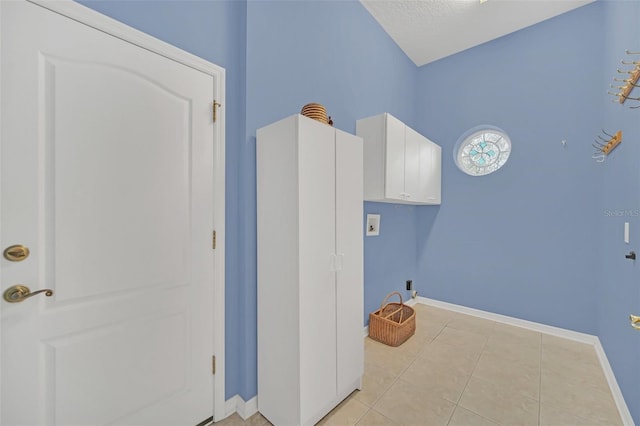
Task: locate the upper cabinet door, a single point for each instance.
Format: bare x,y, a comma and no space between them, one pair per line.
430,172
414,147
395,158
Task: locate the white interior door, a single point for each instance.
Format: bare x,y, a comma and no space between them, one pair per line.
107,177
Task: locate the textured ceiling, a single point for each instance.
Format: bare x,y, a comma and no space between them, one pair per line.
428,30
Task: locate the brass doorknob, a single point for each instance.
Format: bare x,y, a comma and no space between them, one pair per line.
17,293
635,321
16,253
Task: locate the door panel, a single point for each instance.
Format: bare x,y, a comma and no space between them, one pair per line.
349,247
430,172
414,143
98,168
164,344
394,171
317,275
113,147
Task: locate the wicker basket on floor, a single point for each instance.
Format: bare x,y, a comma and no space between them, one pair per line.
393,323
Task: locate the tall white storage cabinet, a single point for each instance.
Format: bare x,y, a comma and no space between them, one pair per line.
310,269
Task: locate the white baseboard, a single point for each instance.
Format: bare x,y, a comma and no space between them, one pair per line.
529,325
613,385
545,329
245,409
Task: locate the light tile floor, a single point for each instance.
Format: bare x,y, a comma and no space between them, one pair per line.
459,370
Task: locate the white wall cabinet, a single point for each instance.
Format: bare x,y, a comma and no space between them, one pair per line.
400,165
310,269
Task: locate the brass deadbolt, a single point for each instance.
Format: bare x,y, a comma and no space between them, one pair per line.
16,253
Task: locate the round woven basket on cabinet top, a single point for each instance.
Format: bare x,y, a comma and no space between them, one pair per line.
316,112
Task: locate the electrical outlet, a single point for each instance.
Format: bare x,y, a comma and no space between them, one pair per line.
409,285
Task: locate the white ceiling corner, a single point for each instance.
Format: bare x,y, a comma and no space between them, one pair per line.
428,30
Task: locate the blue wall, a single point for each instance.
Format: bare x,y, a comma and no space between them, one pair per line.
520,241
532,240
541,239
618,291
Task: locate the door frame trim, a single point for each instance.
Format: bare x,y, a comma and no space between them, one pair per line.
100,22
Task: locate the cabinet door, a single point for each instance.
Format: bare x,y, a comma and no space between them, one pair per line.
430,172
316,224
349,248
395,157
414,145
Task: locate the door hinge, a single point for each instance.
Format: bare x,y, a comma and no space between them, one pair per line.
216,104
213,240
213,364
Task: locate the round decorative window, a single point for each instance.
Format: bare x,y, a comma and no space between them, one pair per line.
482,150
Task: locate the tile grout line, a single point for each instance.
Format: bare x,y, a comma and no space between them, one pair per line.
395,380
375,401
484,345
363,414
455,407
